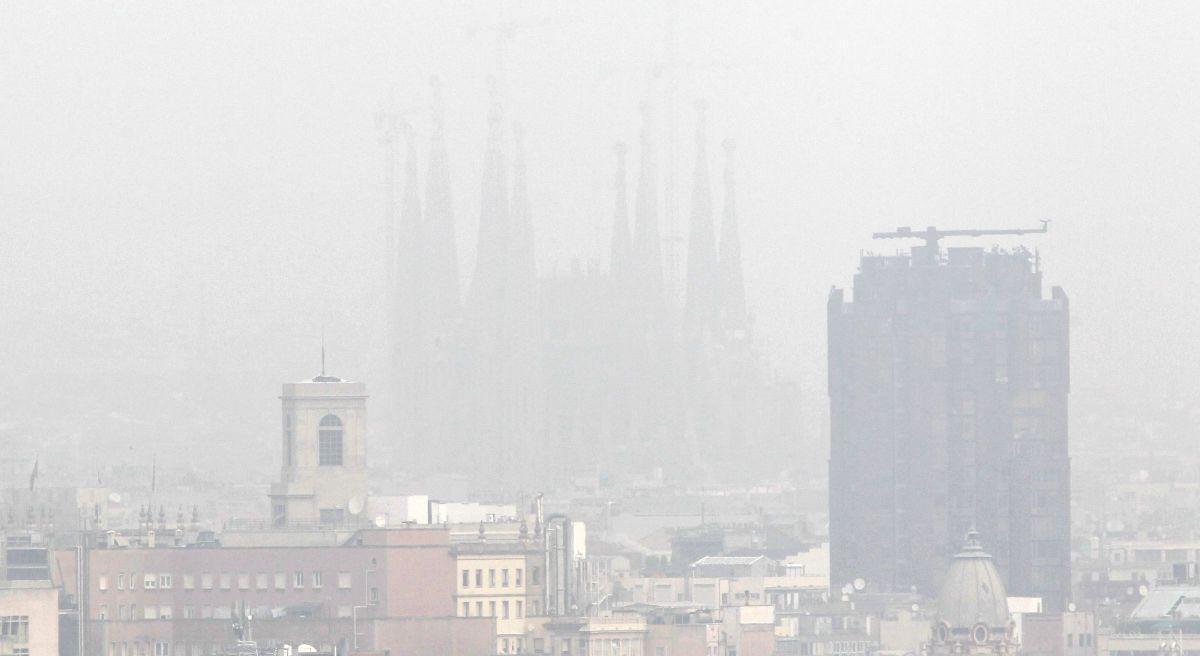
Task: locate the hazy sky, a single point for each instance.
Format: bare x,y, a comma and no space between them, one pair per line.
186,182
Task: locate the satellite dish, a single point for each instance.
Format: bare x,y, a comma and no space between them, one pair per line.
860,584
1071,607
114,498
916,608
380,521
355,505
1143,590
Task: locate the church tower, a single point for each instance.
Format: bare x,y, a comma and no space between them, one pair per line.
323,479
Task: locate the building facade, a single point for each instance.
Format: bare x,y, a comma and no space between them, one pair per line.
948,382
28,618
324,475
183,599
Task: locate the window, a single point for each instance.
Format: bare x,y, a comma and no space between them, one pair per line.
103,613
332,515
121,612
149,581
102,582
374,599
287,440
165,581
345,611
121,581
206,581
520,609
243,581
150,613
479,578
344,580
14,628
537,575
161,649
519,571
260,581
491,578
133,581
297,579
189,581
491,609
165,612
280,580
479,608
189,612
226,580
316,579
504,577
466,579
504,609
466,609
329,442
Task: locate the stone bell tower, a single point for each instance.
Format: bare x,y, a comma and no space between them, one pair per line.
323,480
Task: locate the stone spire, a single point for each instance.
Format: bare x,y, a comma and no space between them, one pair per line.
733,286
647,246
702,283
488,283
621,246
622,322
409,239
408,314
524,270
441,246
522,348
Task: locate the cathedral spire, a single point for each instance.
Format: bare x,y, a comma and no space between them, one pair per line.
646,241
621,251
702,291
525,270
733,286
408,296
410,205
441,246
488,283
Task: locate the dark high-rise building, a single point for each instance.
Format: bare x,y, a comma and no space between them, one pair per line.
948,381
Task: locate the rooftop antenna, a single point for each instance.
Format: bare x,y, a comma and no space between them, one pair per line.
322,351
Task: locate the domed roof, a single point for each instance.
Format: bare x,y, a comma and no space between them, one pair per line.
973,592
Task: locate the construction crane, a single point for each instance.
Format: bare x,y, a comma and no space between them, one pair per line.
931,235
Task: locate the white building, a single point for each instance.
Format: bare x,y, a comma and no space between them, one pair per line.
323,479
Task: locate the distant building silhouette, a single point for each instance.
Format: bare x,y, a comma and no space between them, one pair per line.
948,381
536,379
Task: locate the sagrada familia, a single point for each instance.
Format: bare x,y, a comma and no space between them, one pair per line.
525,378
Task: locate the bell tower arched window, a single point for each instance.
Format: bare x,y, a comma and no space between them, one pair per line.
329,441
